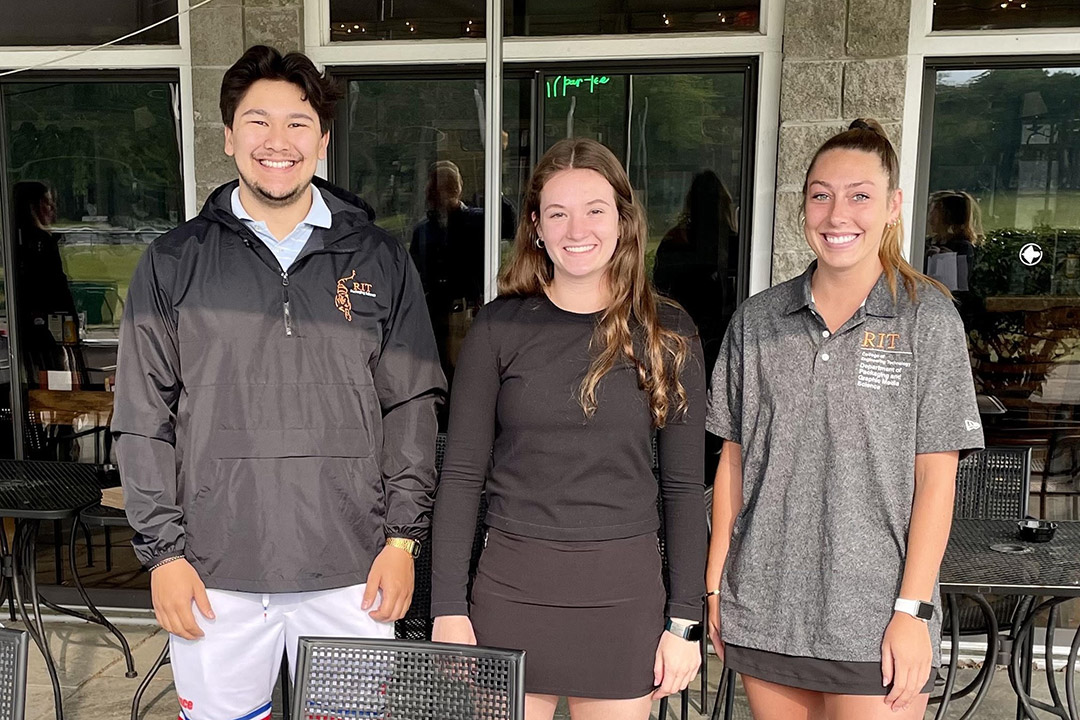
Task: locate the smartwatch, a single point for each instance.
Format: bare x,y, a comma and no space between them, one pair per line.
683,629
915,608
410,546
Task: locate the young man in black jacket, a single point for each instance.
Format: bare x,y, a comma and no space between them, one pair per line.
275,406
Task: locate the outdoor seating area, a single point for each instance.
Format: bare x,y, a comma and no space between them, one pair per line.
94,685
989,580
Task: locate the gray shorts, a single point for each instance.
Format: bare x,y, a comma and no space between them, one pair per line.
837,677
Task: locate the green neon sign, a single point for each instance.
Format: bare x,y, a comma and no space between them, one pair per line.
561,84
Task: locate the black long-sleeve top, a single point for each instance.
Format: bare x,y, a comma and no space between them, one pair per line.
555,474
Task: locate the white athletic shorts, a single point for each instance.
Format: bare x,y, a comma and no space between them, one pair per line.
230,672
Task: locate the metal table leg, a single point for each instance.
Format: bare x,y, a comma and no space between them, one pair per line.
24,569
1024,637
96,614
985,676
137,700
1070,676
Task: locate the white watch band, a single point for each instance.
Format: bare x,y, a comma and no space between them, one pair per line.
911,607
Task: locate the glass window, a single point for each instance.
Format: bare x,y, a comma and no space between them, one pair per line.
57,22
1003,232
415,150
94,174
1004,14
681,137
618,17
423,19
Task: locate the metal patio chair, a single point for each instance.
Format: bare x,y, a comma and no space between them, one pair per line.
351,678
13,649
992,484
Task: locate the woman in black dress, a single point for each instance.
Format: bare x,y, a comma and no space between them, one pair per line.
561,384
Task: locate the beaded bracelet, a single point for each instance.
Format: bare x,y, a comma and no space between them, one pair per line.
166,561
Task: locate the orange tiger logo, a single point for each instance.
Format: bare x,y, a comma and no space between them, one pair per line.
341,299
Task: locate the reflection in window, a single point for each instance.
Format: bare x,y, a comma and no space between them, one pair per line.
617,17
683,148
1003,232
94,169
352,20
1004,14
55,22
416,153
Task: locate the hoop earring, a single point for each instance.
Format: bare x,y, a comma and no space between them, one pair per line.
539,243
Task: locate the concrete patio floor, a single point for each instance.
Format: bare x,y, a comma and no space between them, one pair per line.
92,670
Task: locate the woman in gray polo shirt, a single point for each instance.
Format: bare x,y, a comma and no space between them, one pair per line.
844,398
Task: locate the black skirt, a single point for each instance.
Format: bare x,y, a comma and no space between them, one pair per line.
588,614
837,677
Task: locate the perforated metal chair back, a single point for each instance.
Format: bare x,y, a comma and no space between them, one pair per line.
349,678
993,484
13,647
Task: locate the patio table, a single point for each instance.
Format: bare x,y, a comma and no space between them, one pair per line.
32,491
1046,574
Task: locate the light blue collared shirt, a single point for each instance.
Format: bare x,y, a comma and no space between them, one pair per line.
287,250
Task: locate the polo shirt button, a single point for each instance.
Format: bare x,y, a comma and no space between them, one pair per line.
824,333
825,356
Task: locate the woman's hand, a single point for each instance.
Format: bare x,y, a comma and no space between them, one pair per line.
714,625
453,629
676,662
905,659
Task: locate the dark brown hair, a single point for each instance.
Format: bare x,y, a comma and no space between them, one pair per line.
867,135
632,310
265,63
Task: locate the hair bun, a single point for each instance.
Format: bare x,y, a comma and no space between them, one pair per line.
868,124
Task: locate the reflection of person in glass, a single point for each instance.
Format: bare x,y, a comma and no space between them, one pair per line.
448,249
953,226
695,260
844,397
42,286
563,381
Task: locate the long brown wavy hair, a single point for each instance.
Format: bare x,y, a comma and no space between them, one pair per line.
867,135
631,313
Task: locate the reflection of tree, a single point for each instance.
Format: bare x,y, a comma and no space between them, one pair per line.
1008,131
112,146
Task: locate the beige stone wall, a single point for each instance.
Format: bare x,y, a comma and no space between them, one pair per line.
220,32
843,59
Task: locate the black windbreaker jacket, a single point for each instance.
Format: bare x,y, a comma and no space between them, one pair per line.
275,427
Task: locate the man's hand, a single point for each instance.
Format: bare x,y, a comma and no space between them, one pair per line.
906,656
392,572
173,586
676,662
453,629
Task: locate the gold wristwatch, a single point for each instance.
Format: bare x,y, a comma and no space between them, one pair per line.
410,546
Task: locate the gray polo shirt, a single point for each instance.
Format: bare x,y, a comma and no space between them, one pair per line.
829,426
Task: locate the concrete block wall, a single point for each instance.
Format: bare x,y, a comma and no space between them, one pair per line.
220,32
843,59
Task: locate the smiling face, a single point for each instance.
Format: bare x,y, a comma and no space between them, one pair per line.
277,143
579,223
848,204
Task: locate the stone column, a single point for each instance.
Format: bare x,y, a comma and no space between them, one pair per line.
220,32
843,59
